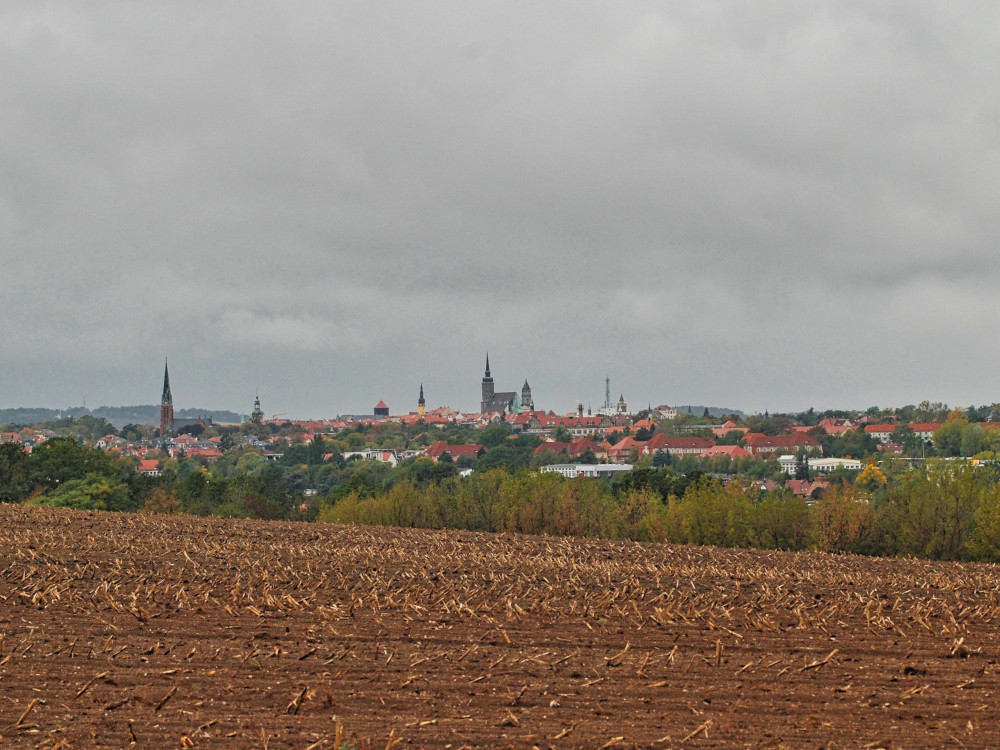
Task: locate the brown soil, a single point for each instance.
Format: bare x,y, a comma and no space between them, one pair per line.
174,632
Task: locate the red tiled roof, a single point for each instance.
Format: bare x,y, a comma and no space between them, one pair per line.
796,440
581,445
662,441
441,447
870,428
732,451
210,453
551,447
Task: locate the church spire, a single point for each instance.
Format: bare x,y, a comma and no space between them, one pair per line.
166,403
166,383
421,403
487,388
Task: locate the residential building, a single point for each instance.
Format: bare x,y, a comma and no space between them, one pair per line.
439,448
757,443
594,471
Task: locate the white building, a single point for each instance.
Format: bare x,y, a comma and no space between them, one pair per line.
820,465
587,470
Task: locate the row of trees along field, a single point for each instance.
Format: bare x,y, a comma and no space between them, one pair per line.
943,510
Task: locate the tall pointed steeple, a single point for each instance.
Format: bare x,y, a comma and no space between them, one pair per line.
166,383
166,403
488,390
421,403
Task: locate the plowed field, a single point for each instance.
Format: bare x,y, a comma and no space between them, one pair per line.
178,632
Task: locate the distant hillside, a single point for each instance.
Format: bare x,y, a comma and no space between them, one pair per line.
119,416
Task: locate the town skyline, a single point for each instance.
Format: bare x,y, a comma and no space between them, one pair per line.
608,401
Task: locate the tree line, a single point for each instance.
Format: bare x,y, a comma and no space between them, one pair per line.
947,510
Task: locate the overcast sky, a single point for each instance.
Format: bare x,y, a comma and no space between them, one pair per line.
762,205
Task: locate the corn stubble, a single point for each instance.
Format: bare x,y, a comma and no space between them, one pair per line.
120,630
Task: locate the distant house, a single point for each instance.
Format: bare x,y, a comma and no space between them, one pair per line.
664,412
185,441
925,430
209,454
806,488
789,464
574,448
757,443
880,432
552,446
150,467
729,451
729,426
382,455
834,426
540,423
620,451
678,446
644,424
593,471
439,448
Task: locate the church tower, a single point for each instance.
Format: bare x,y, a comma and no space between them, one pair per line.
166,404
488,391
257,415
526,403
421,403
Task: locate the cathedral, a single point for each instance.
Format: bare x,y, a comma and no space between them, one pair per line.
505,402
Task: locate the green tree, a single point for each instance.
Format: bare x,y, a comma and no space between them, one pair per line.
502,457
984,542
90,428
843,520
92,492
948,438
931,513
132,432
494,435
780,521
60,460
15,482
973,440
930,412
802,466
317,449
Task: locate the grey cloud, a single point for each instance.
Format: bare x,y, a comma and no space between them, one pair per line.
765,205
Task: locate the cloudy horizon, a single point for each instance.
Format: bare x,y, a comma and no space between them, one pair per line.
766,205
